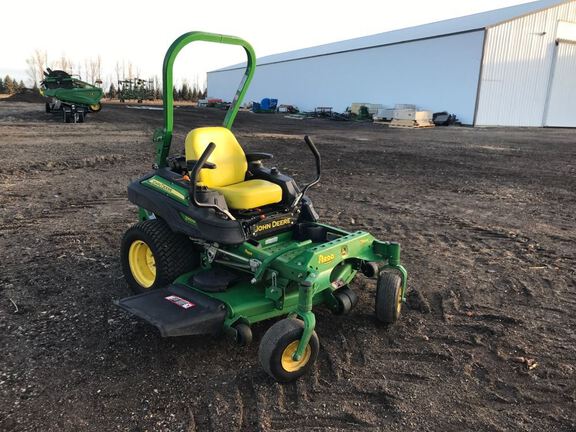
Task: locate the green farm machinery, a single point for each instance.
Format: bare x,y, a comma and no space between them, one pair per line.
224,242
70,96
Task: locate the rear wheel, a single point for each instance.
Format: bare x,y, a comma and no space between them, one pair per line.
153,255
277,350
95,107
48,109
388,297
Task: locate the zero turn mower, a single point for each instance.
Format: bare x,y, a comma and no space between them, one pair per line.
70,96
224,242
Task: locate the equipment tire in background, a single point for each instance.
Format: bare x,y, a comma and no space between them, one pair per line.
95,107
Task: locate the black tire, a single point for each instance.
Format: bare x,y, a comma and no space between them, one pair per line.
81,117
48,109
243,334
347,299
97,107
369,269
173,254
284,336
388,297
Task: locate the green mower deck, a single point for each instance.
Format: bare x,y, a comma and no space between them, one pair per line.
314,272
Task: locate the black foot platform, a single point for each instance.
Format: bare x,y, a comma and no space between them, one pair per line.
177,311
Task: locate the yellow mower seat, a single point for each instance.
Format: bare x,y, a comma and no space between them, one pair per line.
230,172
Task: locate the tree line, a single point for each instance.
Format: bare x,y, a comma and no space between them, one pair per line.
189,93
185,92
9,85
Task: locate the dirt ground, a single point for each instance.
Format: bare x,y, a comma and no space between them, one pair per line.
486,342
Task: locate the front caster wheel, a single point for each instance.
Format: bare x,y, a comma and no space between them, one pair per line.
388,297
277,349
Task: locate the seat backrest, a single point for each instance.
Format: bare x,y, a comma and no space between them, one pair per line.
228,156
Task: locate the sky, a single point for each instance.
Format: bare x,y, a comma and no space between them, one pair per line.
140,32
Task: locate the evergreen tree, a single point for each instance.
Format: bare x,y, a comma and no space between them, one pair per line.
112,92
21,87
35,87
194,94
9,85
186,93
1,85
175,94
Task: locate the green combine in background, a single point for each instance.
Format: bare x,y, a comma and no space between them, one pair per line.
70,96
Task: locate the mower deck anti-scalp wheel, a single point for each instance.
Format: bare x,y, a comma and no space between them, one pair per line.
277,349
388,297
243,334
153,255
347,299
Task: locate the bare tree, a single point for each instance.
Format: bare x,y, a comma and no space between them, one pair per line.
117,70
89,76
64,64
93,69
37,63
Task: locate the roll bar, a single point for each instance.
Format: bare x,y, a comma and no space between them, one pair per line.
163,137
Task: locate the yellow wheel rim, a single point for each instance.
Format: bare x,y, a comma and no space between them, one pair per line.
142,263
291,365
398,301
95,107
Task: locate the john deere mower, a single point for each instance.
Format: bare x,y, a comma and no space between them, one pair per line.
70,96
224,242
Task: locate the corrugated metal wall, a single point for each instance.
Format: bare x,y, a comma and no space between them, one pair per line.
436,74
562,101
516,68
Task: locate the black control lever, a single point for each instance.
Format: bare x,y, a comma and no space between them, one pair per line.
200,164
316,153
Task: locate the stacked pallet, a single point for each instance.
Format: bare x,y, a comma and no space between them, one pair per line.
412,119
405,116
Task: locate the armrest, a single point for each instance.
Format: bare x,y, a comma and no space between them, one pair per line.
257,156
191,163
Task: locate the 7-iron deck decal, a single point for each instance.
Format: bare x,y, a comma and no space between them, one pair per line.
179,301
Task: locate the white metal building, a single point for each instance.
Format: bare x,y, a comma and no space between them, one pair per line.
511,67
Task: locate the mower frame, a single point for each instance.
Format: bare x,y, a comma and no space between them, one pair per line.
287,276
